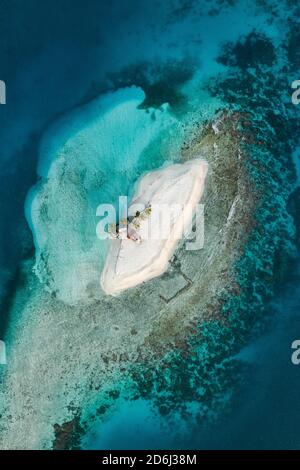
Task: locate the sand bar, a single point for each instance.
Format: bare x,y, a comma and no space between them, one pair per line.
173,191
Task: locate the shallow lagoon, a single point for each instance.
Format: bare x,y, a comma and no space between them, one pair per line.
88,160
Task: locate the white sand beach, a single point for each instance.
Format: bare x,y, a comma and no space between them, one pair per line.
173,193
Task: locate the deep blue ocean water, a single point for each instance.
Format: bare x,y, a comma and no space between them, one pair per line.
56,58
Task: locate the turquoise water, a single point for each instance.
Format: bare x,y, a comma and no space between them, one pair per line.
88,160
99,93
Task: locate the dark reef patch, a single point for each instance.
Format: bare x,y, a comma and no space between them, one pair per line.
160,82
68,435
183,9
253,50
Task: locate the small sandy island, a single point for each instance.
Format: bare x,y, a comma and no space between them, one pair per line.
172,193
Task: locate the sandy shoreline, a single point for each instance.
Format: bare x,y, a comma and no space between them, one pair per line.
174,192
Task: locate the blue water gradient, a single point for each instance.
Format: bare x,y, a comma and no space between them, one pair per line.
55,60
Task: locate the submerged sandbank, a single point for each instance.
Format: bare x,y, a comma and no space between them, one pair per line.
88,157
